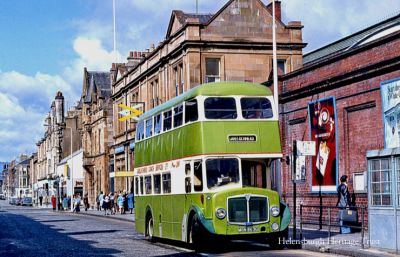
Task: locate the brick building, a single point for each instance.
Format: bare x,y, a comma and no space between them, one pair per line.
344,80
97,114
234,44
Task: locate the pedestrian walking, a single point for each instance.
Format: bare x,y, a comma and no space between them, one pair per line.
86,201
130,201
40,200
344,201
125,201
65,202
112,203
101,199
53,202
120,201
106,205
77,203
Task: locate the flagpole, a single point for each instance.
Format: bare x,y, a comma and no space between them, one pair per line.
274,59
115,37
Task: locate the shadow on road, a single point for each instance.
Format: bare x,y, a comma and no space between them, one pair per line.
23,236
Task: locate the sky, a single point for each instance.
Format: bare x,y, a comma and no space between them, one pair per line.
45,44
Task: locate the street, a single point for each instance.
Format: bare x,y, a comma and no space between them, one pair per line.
28,231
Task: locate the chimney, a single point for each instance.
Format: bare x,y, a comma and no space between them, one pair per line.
152,47
278,13
59,101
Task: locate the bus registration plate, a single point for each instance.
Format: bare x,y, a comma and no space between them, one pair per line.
247,229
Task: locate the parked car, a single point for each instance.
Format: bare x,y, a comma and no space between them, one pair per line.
18,201
2,197
13,200
26,201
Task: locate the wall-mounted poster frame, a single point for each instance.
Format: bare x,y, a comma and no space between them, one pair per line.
390,93
323,130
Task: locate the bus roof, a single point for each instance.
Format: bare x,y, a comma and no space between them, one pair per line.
212,89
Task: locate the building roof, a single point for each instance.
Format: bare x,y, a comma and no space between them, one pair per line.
98,83
350,41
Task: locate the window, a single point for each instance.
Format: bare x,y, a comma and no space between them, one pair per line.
137,186
157,184
191,112
147,185
166,183
149,128
381,180
157,124
281,65
178,116
198,176
220,108
212,70
140,131
398,180
141,186
254,174
179,79
222,172
256,108
167,120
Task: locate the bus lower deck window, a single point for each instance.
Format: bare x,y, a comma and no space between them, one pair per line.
157,184
147,185
222,172
141,186
137,186
198,176
166,183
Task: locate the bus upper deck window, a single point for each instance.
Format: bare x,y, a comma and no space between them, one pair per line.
149,128
256,108
220,108
167,120
191,112
178,116
157,124
140,131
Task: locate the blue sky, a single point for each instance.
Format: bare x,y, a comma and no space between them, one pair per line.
46,43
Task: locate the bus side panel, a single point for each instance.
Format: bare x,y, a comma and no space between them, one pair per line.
164,153
157,211
178,208
166,216
140,210
177,144
192,139
148,147
214,137
269,133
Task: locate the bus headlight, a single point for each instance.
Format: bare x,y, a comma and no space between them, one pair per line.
220,213
275,226
275,211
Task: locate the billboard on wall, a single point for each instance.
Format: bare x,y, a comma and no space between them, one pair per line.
390,91
323,123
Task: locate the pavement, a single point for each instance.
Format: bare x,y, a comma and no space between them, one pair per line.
345,244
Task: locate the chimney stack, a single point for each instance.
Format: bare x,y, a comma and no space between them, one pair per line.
278,13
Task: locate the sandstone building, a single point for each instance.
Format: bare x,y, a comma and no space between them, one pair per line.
234,44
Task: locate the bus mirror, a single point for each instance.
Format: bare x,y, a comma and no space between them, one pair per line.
188,185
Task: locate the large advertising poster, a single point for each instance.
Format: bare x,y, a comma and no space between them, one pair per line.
391,112
323,124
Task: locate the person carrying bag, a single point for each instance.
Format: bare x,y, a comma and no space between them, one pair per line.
346,215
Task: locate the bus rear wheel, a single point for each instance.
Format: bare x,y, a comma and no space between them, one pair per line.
149,229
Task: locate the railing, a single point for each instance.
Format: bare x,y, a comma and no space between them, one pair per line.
332,211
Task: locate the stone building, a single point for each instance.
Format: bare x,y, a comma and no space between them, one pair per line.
22,178
339,99
234,44
33,176
96,112
55,146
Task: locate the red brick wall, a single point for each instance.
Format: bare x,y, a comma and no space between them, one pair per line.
358,114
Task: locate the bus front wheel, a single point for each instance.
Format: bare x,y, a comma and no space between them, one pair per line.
149,228
194,236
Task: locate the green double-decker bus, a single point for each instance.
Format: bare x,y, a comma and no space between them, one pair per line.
203,166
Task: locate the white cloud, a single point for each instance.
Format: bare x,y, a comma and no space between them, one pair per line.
330,20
